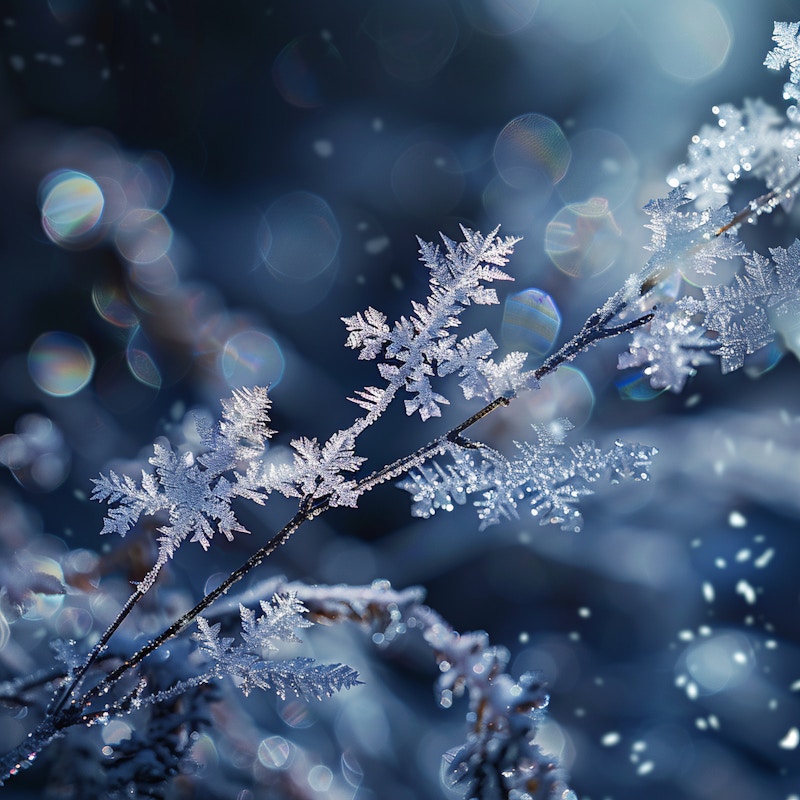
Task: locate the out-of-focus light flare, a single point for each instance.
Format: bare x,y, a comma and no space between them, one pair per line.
60,364
72,205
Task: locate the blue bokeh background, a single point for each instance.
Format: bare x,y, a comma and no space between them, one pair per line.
265,169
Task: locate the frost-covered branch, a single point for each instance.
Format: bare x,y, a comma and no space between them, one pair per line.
191,493
499,757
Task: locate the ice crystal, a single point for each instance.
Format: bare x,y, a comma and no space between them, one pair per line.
420,347
787,53
548,476
262,633
670,348
499,758
195,492
752,142
742,316
687,240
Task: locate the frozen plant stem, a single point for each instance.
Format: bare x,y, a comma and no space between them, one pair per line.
594,329
422,347
79,674
764,204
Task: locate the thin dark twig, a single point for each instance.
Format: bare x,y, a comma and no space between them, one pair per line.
80,673
755,207
303,515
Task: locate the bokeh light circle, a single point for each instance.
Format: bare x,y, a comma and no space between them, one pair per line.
414,39
636,386
583,239
275,752
531,322
320,778
151,180
74,623
115,201
111,304
41,605
143,236
143,368
499,17
299,236
36,453
531,145
427,179
252,358
564,393
689,39
305,71
60,364
722,662
72,205
602,165
140,361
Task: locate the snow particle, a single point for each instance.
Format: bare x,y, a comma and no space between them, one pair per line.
736,519
610,739
791,740
747,591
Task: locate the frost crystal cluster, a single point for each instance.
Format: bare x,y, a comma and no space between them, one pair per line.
548,475
245,662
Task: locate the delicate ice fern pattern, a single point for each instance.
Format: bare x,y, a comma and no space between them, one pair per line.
744,316
787,53
737,320
245,662
751,142
731,321
687,239
670,349
548,476
196,492
319,471
419,347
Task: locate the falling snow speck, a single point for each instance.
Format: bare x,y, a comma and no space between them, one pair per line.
745,589
791,740
764,558
737,520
